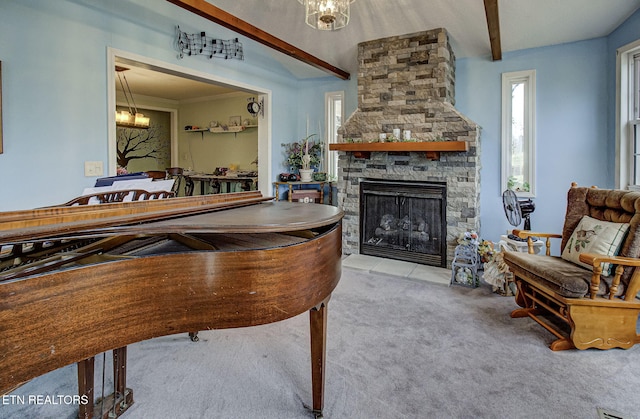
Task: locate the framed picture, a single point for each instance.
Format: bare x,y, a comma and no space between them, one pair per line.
235,121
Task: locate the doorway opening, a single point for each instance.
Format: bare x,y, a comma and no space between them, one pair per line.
160,87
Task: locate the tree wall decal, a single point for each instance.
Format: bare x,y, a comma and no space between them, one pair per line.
136,144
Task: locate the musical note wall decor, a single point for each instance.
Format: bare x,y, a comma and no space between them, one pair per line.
201,44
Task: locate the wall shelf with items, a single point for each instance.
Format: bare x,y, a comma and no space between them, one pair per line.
222,130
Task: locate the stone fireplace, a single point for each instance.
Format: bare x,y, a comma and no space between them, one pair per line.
408,83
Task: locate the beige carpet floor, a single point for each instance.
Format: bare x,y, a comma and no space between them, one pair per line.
398,347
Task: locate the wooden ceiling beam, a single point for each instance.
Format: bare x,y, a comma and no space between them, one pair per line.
222,18
493,23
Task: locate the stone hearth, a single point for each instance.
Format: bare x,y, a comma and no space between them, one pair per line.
408,83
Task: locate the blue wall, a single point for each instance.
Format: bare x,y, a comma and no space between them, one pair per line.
54,64
311,93
571,115
575,116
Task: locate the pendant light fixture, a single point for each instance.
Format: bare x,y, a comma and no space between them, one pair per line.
327,15
131,118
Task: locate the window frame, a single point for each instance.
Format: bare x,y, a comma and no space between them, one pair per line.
528,77
331,159
627,114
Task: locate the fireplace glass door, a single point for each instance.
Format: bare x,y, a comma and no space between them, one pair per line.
403,220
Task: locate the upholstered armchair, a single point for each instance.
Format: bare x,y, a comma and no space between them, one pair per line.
587,297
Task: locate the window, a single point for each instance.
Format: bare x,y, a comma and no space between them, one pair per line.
334,115
634,122
628,117
518,132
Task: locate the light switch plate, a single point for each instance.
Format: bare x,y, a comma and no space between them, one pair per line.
93,168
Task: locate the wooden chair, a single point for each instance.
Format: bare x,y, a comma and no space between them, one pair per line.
157,174
30,249
118,196
177,174
584,308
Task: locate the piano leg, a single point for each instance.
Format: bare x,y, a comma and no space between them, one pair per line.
85,387
113,405
123,395
318,329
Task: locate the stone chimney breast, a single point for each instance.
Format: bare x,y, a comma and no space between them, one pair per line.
407,82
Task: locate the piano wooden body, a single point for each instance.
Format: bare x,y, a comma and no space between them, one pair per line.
78,281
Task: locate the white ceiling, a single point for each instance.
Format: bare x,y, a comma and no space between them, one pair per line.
523,24
147,82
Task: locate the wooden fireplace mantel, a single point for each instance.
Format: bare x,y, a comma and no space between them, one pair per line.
431,149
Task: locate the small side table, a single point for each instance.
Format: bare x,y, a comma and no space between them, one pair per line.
521,246
292,185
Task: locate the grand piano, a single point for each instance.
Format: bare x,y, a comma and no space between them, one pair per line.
79,281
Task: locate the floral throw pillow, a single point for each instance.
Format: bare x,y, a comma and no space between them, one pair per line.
595,236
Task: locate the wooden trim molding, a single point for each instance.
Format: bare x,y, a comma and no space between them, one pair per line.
431,149
493,23
220,17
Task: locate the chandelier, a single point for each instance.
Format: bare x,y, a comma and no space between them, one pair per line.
327,15
131,118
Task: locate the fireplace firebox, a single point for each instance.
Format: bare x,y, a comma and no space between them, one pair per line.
404,220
